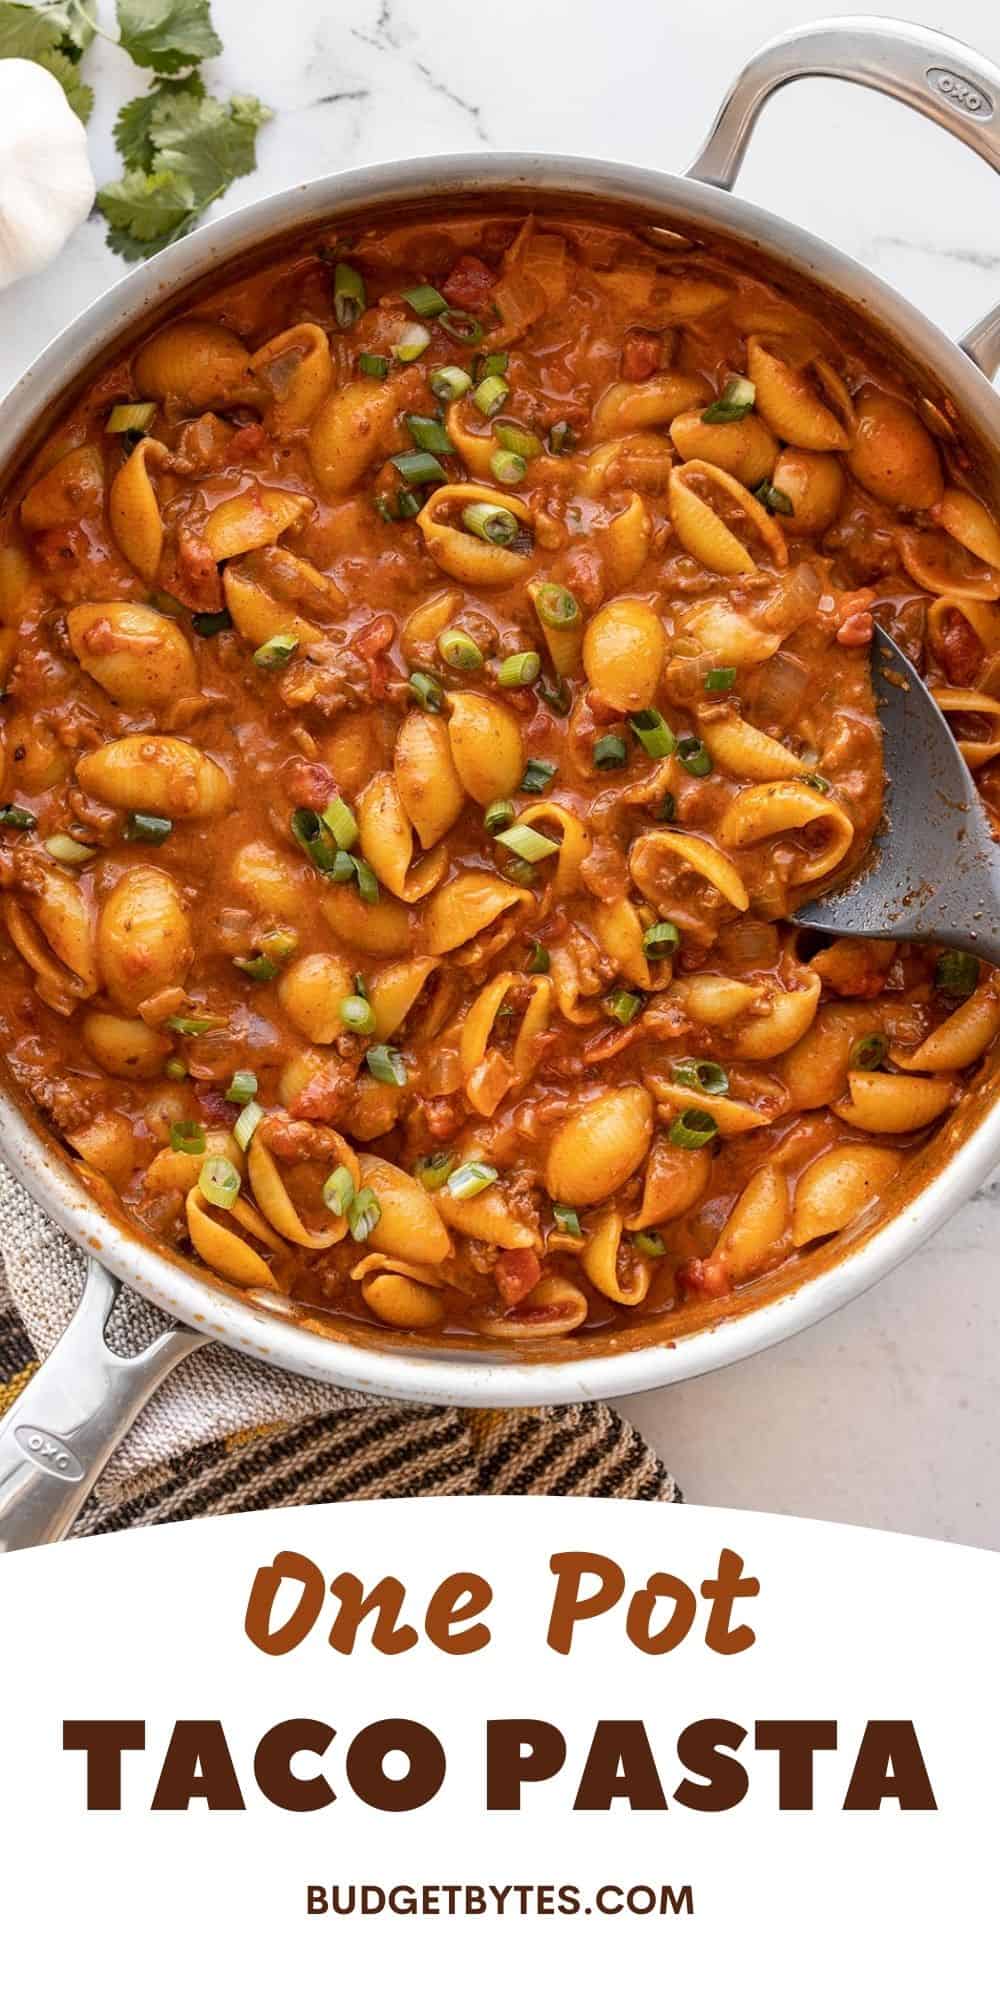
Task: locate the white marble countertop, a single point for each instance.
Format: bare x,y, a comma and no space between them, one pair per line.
889,1413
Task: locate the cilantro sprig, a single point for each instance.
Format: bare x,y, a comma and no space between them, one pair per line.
180,147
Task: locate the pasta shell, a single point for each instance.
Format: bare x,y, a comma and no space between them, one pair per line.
197,365
892,455
880,1102
394,989
462,555
835,1189
731,636
762,812
624,651
789,1016
649,852
53,929
410,1225
620,931
747,449
486,747
747,752
295,367
626,542
159,774
794,406
275,1202
252,519
222,1249
755,1224
71,490
311,990
969,522
813,482
134,509
427,781
128,1049
984,708
386,838
632,406
461,909
553,1307
382,929
702,531
354,427
140,658
489,1219
960,1040
402,1294
675,1180
143,937
598,1148
602,1261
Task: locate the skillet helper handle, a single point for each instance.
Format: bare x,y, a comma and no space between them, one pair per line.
65,1425
934,74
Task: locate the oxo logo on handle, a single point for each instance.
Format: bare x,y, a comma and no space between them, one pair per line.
48,1451
965,96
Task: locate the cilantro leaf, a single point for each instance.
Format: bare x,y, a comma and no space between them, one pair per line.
75,27
167,35
210,143
147,209
42,35
64,69
186,152
133,132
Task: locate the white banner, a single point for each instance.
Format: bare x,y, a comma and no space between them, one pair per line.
568,1744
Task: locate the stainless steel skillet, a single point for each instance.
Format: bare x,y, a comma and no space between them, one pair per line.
76,1408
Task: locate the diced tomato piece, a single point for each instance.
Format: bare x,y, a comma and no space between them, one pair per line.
442,1116
308,784
961,650
375,637
706,1275
641,353
469,284
246,442
856,630
517,1273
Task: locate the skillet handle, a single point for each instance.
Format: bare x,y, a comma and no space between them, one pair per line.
933,73
64,1426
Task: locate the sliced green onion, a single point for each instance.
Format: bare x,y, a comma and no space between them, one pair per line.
258,966
208,623
718,679
649,1243
412,341
691,752
386,1064
555,606
341,821
660,940
280,945
433,1169
500,814
737,400
707,1076
492,524
171,607
622,1005
461,326
514,437
470,1179
447,384
427,692
566,1218
63,847
539,960
556,693
527,843
610,752
773,498
220,1181
538,774
187,1136
366,880
315,837
655,735
491,364
18,817
358,1015
458,651
349,297
175,1069
519,670
426,300
408,505
419,468
429,433
668,807
246,1124
508,467
956,973
520,871
148,827
692,1130
374,364
869,1052
364,1213
562,437
491,395
339,1190
136,417
194,1024
361,986
242,1087
276,652
817,782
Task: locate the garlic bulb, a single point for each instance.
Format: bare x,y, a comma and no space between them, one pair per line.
46,186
